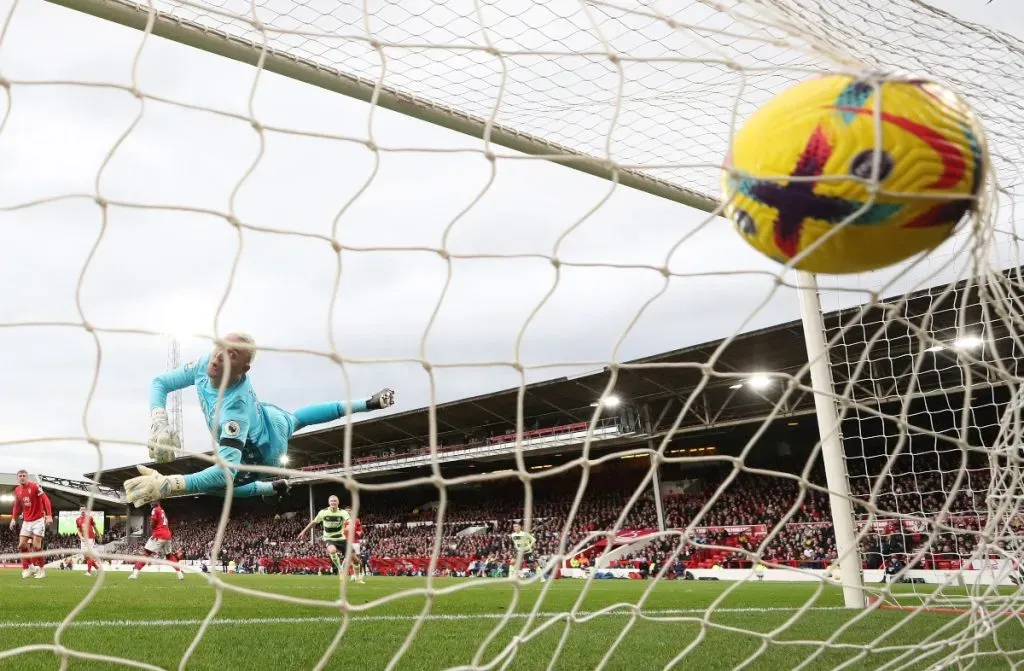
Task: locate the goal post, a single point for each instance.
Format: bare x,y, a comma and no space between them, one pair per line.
829,429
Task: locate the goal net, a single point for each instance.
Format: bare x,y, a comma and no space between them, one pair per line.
454,197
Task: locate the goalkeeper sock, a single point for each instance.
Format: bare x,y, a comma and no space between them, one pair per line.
326,412
258,488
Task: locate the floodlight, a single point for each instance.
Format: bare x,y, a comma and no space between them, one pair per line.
759,381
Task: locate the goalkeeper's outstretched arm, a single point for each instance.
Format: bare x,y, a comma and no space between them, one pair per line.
164,445
233,430
172,380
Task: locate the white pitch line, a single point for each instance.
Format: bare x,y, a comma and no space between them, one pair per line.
389,618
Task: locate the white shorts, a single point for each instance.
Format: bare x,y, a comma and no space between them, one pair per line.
88,544
158,546
34,528
355,548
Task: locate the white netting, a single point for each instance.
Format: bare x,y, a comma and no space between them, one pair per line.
929,421
664,104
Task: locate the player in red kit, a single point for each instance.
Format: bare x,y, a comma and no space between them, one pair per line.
354,527
159,542
32,503
87,534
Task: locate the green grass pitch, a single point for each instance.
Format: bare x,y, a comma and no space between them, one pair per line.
155,619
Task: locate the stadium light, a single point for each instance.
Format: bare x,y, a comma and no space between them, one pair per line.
284,460
968,342
759,381
179,319
7,498
610,401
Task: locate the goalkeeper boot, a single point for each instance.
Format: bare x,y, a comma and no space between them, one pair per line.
385,398
281,489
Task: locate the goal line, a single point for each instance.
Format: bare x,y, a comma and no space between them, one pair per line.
625,611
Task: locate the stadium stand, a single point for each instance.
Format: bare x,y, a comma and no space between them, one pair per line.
400,532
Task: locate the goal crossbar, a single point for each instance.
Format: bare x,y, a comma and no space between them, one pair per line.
222,43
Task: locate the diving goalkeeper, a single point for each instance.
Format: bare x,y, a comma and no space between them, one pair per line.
247,430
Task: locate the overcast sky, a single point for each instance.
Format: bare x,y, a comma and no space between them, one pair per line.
169,270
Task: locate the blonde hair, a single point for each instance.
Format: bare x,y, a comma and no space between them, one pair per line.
247,339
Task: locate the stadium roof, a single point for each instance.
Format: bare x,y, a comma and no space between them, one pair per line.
663,383
63,493
668,375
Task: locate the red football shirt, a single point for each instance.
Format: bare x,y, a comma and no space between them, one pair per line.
357,532
158,521
86,528
32,502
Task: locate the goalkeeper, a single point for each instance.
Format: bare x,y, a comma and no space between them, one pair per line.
247,431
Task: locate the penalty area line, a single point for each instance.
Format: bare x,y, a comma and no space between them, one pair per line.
185,622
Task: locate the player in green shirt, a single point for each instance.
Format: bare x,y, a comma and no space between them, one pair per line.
524,540
333,519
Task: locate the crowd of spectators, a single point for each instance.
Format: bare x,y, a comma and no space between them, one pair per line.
776,519
9,538
924,483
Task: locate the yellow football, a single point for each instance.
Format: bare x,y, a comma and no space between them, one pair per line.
803,165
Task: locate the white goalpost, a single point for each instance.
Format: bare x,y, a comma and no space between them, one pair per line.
914,370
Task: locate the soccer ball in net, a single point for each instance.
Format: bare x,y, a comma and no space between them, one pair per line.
823,130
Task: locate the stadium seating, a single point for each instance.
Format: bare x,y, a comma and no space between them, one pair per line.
401,536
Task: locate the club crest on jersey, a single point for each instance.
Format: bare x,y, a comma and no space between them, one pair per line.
232,429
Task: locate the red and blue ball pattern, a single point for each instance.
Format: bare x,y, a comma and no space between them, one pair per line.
798,177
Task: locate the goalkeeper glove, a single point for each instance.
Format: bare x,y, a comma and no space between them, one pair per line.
164,445
385,398
152,486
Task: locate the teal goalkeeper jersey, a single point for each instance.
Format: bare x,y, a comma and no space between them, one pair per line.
333,522
260,430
